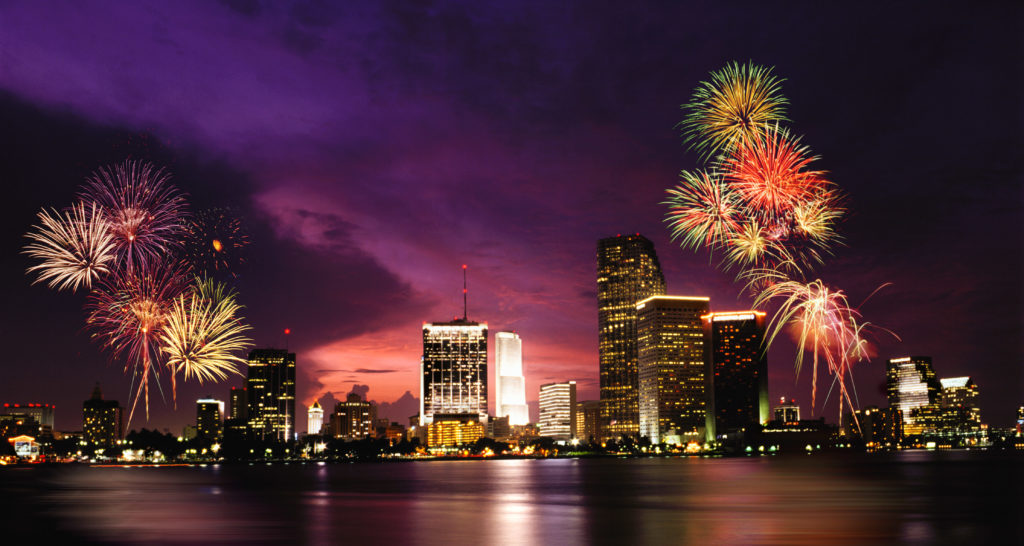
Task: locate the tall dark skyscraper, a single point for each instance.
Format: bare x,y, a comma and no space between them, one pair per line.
627,272
670,363
238,404
270,389
102,419
454,370
737,373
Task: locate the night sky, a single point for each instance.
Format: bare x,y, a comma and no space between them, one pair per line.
372,150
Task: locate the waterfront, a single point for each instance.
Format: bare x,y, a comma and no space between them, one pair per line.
923,497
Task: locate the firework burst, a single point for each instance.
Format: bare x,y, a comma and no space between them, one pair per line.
733,107
128,312
144,211
203,333
214,241
770,173
75,247
702,210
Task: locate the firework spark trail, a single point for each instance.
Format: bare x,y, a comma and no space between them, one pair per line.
733,107
128,312
75,247
203,332
144,210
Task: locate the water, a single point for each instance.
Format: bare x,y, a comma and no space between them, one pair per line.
916,497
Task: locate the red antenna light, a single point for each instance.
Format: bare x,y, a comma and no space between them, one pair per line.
287,331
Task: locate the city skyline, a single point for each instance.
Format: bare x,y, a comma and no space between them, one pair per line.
515,170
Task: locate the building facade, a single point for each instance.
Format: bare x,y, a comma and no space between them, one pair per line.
315,419
102,420
510,384
453,378
41,413
353,419
588,420
737,372
787,412
238,404
270,393
628,271
558,411
209,413
912,388
453,430
670,365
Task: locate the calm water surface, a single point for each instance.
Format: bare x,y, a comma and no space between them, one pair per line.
913,497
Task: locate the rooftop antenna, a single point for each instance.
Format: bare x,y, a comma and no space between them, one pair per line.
465,314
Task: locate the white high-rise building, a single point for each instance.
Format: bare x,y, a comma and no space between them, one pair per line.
315,419
511,387
558,411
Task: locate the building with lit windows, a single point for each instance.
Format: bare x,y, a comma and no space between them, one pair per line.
41,413
787,412
353,419
737,372
209,413
628,271
961,393
670,365
588,420
558,411
238,404
102,420
453,372
911,387
270,393
879,428
314,419
510,385
453,430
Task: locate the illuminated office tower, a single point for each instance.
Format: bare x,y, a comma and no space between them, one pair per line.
270,389
238,405
588,420
353,418
670,365
41,413
453,378
737,371
558,411
101,420
911,385
314,419
627,272
961,393
208,418
510,390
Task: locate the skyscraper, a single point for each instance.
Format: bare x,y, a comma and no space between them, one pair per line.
558,411
961,393
627,272
911,385
670,365
208,418
238,404
737,376
453,377
101,419
510,390
588,420
314,419
353,418
270,389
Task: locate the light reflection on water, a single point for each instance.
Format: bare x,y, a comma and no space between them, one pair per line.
918,497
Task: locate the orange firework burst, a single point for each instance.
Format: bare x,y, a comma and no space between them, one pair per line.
702,210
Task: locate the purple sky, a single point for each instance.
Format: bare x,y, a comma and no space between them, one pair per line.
374,149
